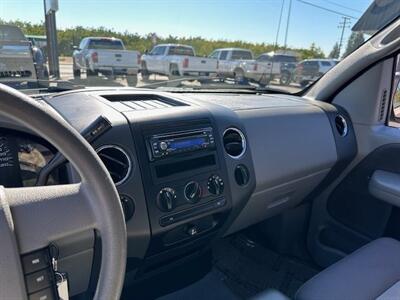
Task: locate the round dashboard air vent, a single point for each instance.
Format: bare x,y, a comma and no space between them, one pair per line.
234,142
116,161
341,125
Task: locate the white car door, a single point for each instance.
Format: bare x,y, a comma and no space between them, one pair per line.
152,59
264,63
159,59
223,62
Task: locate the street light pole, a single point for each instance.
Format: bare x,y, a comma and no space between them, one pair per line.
50,8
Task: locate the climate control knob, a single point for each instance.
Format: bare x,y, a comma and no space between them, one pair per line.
192,192
215,185
166,199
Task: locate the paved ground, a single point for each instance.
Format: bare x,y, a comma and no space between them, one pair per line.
66,74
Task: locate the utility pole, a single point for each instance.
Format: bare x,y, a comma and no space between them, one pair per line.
287,23
279,26
50,8
343,25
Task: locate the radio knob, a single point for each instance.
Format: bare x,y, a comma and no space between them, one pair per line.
192,192
163,146
215,185
166,199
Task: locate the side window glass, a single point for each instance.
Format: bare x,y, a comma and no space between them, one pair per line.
263,58
161,50
82,44
154,51
214,54
223,55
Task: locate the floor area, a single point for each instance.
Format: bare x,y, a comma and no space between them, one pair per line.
243,268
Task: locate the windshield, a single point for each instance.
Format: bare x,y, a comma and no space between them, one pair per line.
272,44
11,33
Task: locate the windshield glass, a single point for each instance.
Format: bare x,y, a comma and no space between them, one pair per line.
241,54
11,33
180,50
106,44
242,44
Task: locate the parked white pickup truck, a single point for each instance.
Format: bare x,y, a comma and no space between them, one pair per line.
107,56
174,60
278,65
239,64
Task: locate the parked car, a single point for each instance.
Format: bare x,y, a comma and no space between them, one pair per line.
107,56
277,65
311,69
239,64
175,60
19,60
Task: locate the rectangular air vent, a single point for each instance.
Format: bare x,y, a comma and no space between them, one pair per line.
129,102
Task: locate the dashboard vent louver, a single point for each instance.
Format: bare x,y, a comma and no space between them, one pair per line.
382,106
234,142
341,125
124,102
116,161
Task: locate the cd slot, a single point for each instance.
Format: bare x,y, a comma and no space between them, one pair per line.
182,215
184,165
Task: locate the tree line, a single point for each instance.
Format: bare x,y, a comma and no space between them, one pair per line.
134,41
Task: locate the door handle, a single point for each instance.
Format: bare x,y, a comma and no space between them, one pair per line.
385,186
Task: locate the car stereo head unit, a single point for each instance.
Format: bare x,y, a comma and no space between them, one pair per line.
169,144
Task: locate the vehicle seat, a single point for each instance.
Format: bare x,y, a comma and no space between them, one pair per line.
372,272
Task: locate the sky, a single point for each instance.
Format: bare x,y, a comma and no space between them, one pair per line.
247,20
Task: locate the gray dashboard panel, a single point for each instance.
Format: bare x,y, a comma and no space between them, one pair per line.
292,145
288,143
293,150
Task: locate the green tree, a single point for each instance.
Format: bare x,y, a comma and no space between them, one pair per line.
313,52
335,53
355,40
133,41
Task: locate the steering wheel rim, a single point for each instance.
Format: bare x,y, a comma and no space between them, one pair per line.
94,202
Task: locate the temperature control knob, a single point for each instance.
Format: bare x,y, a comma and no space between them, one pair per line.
215,185
192,192
166,199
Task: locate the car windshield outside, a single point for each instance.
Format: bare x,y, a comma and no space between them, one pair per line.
253,44
11,33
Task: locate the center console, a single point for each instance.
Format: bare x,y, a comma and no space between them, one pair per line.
185,183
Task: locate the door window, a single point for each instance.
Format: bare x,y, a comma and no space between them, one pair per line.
224,55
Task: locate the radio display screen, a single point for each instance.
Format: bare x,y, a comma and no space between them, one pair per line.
187,143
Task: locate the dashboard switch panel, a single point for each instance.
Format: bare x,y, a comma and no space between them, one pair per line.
36,261
39,280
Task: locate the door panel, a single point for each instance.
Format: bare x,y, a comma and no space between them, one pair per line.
346,215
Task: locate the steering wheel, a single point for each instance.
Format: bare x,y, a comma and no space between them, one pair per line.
31,218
